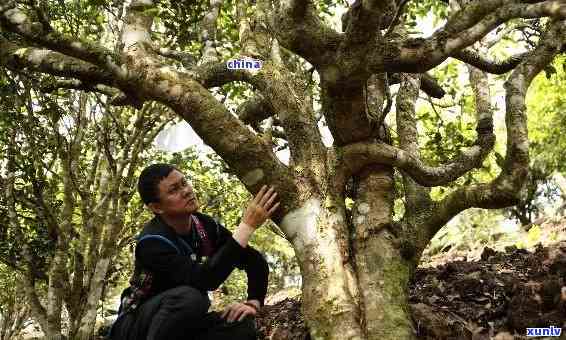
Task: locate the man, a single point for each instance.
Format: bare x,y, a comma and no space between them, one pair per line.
180,255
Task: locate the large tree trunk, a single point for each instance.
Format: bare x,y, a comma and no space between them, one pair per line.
329,283
382,271
355,281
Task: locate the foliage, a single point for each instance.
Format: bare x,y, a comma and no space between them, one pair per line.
14,310
34,232
418,9
547,118
472,229
72,158
546,107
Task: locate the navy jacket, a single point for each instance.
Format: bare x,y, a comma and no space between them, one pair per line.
171,264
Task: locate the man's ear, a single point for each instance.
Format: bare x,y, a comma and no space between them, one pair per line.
155,207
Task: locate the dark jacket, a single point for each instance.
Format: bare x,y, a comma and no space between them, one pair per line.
171,266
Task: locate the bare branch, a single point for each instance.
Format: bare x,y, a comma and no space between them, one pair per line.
79,132
16,58
416,196
16,21
133,140
296,116
218,74
187,59
491,66
254,35
38,311
117,97
358,155
363,20
463,29
503,34
208,32
429,85
254,110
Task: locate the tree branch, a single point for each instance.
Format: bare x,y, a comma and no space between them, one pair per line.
363,20
254,110
507,188
253,161
40,8
463,29
504,33
358,155
136,31
117,97
299,29
38,311
208,32
292,109
254,35
187,59
491,66
407,158
429,85
218,74
16,21
16,58
43,209
416,197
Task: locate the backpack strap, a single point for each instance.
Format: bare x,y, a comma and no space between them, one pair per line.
162,238
186,245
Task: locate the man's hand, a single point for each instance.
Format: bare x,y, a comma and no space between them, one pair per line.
238,311
261,207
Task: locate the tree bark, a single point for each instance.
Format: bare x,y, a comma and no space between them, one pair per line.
329,288
382,271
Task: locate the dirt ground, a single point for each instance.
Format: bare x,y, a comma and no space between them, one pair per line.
496,297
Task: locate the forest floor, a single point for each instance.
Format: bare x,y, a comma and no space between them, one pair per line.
497,295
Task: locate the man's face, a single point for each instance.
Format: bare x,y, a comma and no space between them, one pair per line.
176,196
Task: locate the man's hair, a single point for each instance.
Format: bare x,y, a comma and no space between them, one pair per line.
148,182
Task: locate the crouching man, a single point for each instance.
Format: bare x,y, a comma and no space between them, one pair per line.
180,255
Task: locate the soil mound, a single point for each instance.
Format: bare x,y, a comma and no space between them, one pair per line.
496,297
